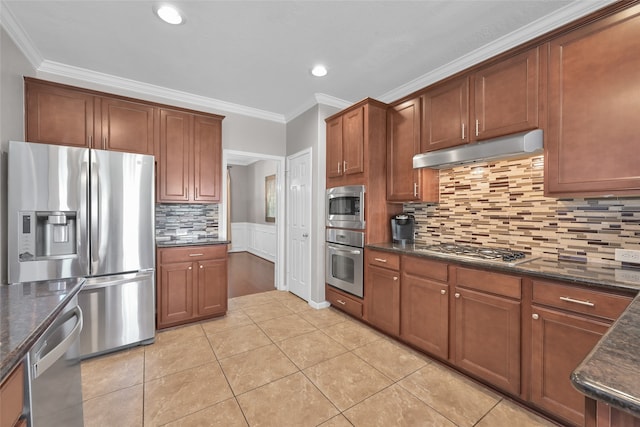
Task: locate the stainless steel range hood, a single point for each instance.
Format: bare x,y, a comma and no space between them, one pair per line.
507,147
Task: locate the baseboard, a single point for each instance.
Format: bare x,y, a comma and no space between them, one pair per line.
319,305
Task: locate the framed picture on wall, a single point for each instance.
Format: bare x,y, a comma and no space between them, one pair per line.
270,198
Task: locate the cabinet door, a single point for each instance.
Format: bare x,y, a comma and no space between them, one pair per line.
487,338
425,314
127,126
353,143
445,121
591,143
175,293
334,148
175,154
56,115
382,299
12,397
506,96
212,287
207,149
404,183
560,341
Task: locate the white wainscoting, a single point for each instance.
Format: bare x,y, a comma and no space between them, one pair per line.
258,239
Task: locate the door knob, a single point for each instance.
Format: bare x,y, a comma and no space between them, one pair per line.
305,234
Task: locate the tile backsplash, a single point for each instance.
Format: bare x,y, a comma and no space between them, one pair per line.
186,221
502,204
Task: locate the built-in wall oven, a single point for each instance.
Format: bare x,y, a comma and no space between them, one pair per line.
345,207
345,260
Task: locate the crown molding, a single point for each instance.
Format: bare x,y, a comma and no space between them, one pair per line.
19,36
318,98
571,12
172,95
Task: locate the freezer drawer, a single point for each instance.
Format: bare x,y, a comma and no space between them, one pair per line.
119,311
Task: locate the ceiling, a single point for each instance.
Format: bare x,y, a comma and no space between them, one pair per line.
255,57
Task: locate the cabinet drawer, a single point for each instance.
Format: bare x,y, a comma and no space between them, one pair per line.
190,253
495,283
343,302
579,299
383,259
425,268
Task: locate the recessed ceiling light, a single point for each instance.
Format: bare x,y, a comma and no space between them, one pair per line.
319,71
169,14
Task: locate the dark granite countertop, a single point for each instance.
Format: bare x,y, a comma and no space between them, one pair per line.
26,310
611,372
186,241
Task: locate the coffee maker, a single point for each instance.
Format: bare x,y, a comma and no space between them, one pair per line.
403,228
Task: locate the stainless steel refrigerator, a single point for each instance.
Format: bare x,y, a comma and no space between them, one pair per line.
76,212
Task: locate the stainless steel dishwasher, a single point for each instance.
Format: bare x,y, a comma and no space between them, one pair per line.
55,382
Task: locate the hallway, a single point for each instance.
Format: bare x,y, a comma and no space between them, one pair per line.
249,274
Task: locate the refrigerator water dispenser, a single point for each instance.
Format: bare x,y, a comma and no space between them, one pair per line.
47,234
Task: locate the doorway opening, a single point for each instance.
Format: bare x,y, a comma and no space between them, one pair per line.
258,225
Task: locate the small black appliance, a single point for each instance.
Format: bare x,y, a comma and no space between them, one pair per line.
403,228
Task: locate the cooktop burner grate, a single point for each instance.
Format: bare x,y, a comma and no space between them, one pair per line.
477,252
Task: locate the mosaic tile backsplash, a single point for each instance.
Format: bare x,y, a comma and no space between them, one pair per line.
502,204
186,222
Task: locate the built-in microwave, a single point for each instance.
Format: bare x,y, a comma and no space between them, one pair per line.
345,207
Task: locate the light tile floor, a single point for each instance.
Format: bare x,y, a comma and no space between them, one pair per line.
275,361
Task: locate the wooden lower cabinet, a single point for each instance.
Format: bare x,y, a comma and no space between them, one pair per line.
12,398
424,302
382,291
344,302
486,331
192,284
607,416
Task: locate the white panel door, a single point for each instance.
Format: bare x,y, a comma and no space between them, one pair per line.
299,224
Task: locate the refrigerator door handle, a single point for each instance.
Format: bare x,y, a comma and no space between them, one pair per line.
95,214
104,282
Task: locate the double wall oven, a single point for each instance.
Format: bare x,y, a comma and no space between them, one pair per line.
345,239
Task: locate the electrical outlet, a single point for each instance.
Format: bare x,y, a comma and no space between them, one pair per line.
627,255
631,276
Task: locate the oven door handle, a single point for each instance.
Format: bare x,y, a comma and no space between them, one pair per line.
348,251
43,363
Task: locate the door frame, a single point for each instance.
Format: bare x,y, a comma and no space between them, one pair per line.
279,270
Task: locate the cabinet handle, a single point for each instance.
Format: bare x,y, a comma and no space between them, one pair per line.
477,127
534,316
577,301
380,259
90,141
344,166
338,168
415,189
339,301
457,295
463,131
442,291
196,254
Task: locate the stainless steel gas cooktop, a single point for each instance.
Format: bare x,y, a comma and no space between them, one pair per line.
478,253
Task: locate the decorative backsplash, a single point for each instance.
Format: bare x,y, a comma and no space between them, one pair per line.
186,222
502,204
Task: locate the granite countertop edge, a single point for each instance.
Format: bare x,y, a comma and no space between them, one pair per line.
610,372
194,242
11,358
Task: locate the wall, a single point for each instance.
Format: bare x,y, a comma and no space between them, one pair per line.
13,65
502,204
239,193
185,222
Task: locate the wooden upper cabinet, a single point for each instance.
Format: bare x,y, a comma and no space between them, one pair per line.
353,141
207,150
592,141
334,147
506,96
58,115
127,126
174,172
190,168
446,115
404,183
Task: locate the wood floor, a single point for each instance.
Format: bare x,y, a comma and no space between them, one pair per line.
249,274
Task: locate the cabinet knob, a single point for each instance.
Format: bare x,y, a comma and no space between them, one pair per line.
457,295
442,291
395,277
190,268
201,266
534,316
